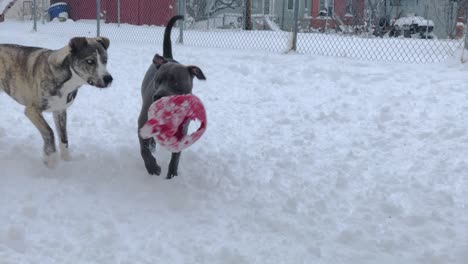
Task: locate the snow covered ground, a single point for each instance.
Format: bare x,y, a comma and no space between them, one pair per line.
306,159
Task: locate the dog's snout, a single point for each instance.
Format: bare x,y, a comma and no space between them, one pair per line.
108,79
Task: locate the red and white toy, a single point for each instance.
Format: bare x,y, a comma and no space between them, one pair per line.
167,117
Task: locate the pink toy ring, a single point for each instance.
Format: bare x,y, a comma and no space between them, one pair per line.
167,117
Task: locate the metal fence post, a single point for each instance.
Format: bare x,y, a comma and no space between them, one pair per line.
295,20
427,20
35,15
118,13
465,38
327,7
43,12
98,18
244,13
465,43
248,15
282,14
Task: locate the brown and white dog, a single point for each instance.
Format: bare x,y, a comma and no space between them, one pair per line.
46,80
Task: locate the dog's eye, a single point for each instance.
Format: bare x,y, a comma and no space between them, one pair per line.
90,61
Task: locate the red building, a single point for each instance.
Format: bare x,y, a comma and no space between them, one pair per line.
136,12
345,12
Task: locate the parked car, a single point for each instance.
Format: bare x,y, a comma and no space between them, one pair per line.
412,27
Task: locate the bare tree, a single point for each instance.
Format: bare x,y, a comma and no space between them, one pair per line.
375,15
372,4
200,9
196,9
223,4
358,17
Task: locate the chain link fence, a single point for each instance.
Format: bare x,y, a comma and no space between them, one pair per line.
416,31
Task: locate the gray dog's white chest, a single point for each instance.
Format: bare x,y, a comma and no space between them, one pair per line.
65,96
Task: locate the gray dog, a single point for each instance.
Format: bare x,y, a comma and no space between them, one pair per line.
46,80
164,77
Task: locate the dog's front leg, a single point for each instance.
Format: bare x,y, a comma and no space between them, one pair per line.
146,147
50,153
60,118
175,157
173,165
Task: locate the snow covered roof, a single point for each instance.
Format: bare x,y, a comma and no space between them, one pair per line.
413,20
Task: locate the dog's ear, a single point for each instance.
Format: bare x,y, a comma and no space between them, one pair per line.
197,72
159,60
105,42
77,44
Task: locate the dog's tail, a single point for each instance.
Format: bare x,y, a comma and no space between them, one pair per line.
167,46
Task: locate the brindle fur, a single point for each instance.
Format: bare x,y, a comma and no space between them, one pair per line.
48,80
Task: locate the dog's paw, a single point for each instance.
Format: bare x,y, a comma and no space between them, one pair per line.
171,174
154,170
65,153
51,160
152,167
